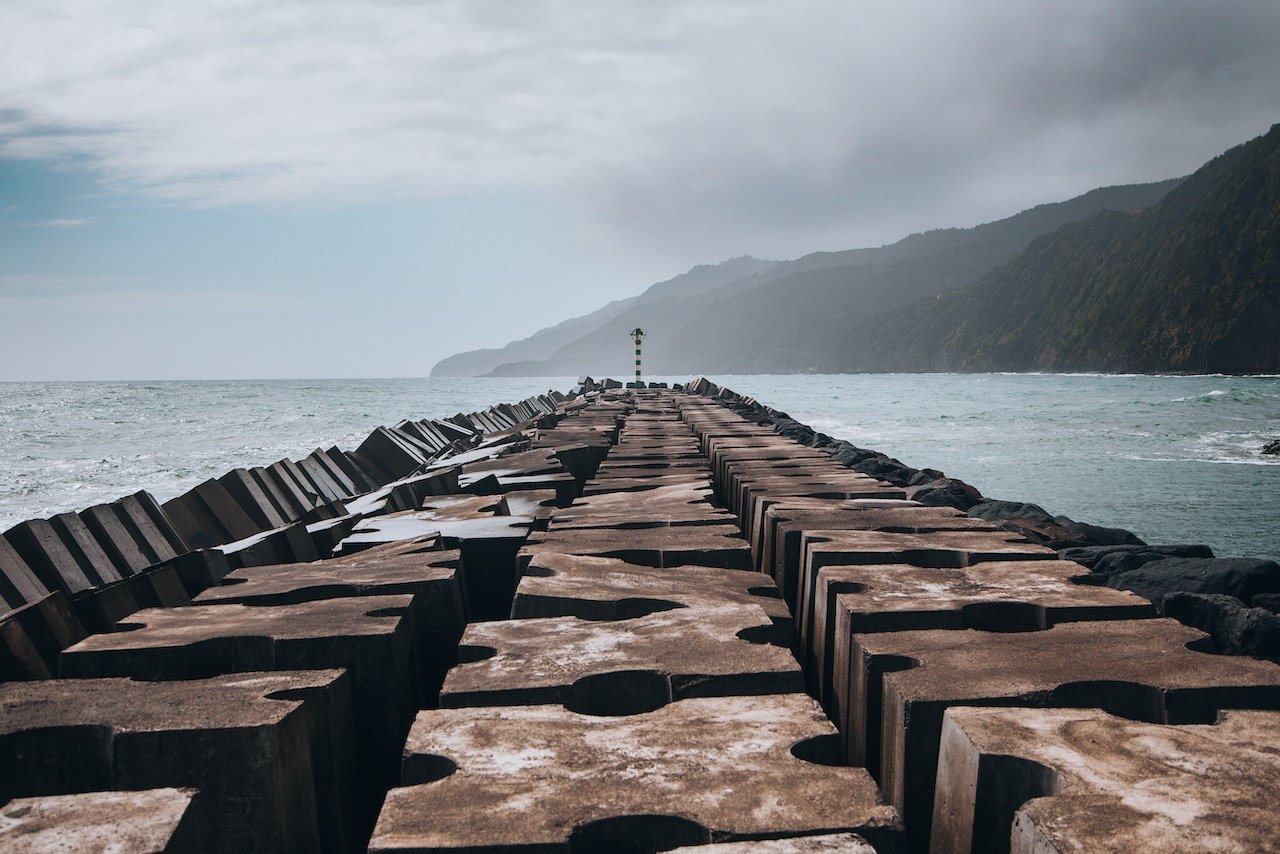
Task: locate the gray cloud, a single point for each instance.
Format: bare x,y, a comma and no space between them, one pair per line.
675,131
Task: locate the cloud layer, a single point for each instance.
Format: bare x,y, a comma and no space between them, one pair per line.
687,130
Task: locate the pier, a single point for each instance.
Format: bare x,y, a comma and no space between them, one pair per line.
625,619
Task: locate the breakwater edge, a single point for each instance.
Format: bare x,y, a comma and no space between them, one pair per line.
1172,458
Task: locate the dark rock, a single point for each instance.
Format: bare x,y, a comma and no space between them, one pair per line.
1121,558
1242,578
1272,448
926,476
849,454
821,440
1100,535
1270,601
1236,629
946,492
886,468
993,510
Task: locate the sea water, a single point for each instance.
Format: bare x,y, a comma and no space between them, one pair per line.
1172,458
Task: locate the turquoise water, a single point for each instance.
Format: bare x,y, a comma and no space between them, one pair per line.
1174,459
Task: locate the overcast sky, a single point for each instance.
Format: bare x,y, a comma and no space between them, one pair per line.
241,188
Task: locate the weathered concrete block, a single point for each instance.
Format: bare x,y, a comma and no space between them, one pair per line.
19,585
32,636
289,544
999,596
601,588
598,485
779,523
207,515
488,544
621,666
697,545
939,549
372,637
432,578
1141,669
269,753
1083,780
153,820
544,776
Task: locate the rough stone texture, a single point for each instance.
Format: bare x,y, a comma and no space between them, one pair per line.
940,549
1084,780
1242,578
685,652
700,545
601,588
270,753
783,522
153,820
1106,560
431,577
1236,628
705,769
372,637
1139,668
998,596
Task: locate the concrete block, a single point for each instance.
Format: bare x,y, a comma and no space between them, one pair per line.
999,596
289,544
32,636
269,753
19,585
1083,780
699,545
778,524
597,486
151,528
431,577
372,637
939,549
585,664
208,515
601,588
689,773
41,549
488,544
153,820
251,494
1140,669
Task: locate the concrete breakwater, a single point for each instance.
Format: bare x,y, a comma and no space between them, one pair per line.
624,619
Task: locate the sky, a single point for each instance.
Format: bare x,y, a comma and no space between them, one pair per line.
357,188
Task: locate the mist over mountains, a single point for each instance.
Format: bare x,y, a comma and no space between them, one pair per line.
1179,275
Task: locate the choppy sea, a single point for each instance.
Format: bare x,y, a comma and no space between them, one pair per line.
1172,458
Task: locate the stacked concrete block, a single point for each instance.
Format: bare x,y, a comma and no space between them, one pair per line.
270,754
154,820
645,673
1058,780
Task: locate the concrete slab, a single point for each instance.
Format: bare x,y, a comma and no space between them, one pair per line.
372,637
153,820
1084,780
778,524
601,588
488,544
1142,669
700,545
688,773
685,652
598,486
270,753
999,596
939,549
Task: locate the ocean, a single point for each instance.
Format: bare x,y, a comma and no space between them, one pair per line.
1172,458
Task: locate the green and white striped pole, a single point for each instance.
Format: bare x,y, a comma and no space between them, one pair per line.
637,334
